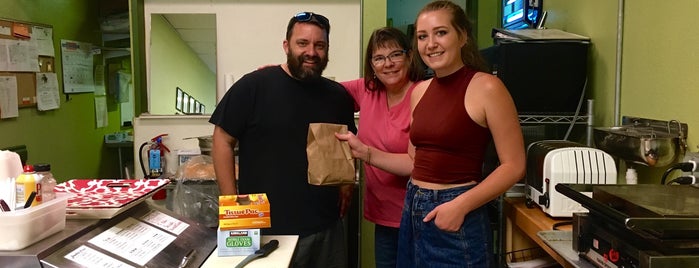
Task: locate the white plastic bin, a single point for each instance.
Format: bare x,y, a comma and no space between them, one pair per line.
24,227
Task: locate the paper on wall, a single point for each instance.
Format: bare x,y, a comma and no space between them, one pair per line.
47,96
43,37
77,67
8,97
101,116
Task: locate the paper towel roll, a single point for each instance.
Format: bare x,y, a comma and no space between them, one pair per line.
10,165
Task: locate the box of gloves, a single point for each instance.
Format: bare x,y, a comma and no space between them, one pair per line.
240,220
240,242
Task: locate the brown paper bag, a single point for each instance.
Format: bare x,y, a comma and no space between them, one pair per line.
329,160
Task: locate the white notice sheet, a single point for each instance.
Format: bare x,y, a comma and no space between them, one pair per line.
165,222
44,40
133,240
88,257
22,56
101,115
77,67
47,95
8,97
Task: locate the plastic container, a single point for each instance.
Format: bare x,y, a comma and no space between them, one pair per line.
24,227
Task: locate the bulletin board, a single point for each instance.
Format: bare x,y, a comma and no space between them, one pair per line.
32,61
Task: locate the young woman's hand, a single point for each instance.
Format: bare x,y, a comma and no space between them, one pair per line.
359,149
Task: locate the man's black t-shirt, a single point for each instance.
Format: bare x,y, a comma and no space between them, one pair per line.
268,112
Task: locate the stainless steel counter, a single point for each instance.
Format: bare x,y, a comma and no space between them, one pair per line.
31,255
52,251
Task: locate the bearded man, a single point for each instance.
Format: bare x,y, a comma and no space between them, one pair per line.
266,114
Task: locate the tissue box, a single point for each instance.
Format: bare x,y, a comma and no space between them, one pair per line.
24,227
250,211
241,242
184,155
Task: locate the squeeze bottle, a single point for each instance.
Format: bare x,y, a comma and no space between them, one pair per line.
25,185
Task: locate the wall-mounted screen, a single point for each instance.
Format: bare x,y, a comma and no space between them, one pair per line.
521,14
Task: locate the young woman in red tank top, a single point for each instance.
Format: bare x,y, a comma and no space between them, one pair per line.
456,114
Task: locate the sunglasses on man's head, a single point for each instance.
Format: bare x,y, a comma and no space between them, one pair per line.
310,16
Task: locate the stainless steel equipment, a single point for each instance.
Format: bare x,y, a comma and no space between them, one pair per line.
53,251
644,141
550,162
644,225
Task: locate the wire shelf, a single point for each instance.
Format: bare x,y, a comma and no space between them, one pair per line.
525,254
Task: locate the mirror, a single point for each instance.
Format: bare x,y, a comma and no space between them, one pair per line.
181,54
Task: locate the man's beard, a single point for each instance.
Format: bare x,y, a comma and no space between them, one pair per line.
303,73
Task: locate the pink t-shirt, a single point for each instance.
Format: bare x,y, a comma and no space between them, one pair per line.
387,130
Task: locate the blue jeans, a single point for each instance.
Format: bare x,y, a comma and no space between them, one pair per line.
422,244
385,246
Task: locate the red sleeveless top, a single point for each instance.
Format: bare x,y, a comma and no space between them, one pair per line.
449,145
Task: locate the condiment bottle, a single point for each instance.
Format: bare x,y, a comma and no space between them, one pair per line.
47,183
25,185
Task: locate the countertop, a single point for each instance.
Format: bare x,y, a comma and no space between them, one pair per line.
533,220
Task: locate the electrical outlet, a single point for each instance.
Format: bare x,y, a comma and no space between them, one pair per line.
691,156
694,156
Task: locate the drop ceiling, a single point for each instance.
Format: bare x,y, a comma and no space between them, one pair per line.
198,31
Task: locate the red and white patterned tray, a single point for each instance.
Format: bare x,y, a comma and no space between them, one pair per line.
105,198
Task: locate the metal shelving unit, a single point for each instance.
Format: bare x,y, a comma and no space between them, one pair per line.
544,119
540,119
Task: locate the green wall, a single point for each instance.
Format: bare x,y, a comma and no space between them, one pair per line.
658,61
597,20
487,18
174,64
373,17
66,138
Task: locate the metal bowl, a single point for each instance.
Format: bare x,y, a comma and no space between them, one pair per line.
639,145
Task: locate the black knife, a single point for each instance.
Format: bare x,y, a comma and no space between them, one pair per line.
265,250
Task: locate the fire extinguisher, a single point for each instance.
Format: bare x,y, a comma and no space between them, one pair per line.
156,157
156,161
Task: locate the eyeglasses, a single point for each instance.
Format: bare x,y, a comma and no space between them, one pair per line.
395,56
312,17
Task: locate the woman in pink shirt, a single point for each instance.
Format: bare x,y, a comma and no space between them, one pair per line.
383,99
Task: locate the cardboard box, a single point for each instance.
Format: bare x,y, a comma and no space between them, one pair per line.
250,211
241,242
24,227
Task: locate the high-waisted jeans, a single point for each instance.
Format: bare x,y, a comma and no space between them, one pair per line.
422,244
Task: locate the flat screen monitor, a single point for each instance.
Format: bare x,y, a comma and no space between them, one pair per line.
520,14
